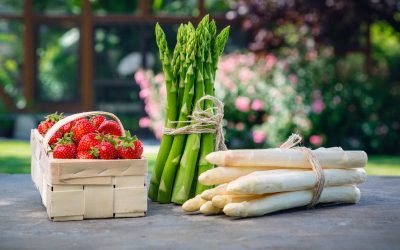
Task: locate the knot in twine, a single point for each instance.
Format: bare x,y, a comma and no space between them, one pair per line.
203,121
291,142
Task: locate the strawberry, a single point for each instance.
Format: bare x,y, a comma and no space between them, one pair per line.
129,147
138,149
110,127
98,120
44,126
81,128
67,127
88,141
65,148
49,122
64,151
53,140
107,151
85,155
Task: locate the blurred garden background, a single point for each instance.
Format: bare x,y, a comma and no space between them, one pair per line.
329,70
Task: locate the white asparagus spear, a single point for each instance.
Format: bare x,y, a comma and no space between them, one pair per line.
221,200
220,175
193,204
287,158
210,193
262,182
282,201
208,209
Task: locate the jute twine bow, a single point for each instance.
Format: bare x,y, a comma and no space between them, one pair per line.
291,142
203,121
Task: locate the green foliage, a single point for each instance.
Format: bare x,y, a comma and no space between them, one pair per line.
58,63
11,62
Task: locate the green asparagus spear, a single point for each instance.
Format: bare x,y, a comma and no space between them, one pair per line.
171,165
208,140
171,113
188,163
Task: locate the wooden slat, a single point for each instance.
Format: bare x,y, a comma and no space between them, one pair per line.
86,69
28,73
99,202
130,200
67,203
73,169
67,218
86,181
16,17
129,215
130,181
137,19
201,8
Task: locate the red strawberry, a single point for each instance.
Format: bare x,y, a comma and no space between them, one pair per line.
85,155
88,141
110,127
53,140
107,151
67,127
65,148
98,120
81,128
129,147
82,118
49,122
44,126
65,151
138,149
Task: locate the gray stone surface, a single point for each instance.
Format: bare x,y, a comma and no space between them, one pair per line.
372,224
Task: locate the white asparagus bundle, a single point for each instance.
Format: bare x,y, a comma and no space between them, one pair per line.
208,209
193,204
288,158
262,182
221,200
282,201
210,193
220,175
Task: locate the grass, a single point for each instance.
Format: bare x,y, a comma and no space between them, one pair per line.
15,158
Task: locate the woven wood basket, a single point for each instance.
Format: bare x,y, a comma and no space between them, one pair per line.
74,189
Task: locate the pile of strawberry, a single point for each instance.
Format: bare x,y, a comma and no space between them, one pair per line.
91,138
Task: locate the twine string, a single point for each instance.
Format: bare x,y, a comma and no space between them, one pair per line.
203,121
291,142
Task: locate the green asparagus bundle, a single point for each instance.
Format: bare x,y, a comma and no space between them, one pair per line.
189,75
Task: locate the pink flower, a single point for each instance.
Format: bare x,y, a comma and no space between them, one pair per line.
139,76
144,122
159,78
240,126
259,136
318,106
270,61
163,90
144,93
293,79
242,103
257,105
245,75
316,140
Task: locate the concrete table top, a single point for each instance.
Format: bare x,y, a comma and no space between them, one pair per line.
374,223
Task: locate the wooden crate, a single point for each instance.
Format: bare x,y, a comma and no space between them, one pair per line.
87,189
